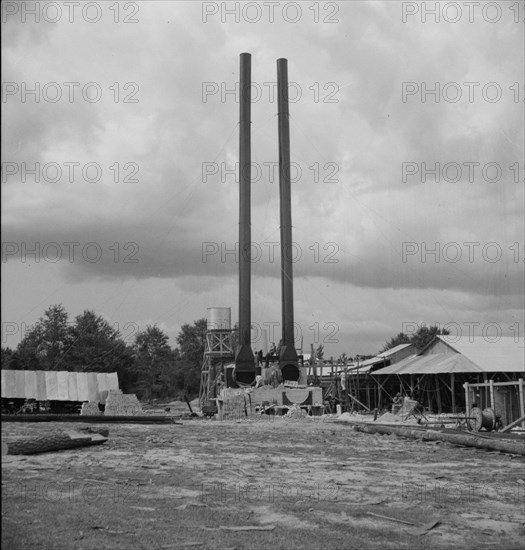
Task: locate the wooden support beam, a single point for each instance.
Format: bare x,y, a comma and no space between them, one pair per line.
492,398
438,394
513,424
453,391
522,399
467,397
357,401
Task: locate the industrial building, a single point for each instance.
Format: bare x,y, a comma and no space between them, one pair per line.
453,373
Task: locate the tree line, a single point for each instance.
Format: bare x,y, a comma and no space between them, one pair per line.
148,366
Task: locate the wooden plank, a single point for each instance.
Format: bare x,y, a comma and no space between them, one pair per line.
512,424
522,398
438,395
483,384
357,401
453,392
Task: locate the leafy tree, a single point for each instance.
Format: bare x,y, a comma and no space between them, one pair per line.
401,338
97,347
319,353
44,345
187,379
420,339
192,342
154,364
425,335
9,358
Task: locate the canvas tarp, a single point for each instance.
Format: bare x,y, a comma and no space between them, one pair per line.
31,384
72,385
58,385
51,386
41,389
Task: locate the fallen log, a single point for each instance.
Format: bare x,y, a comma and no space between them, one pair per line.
466,439
57,441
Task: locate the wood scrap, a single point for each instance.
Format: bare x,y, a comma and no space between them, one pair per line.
427,527
391,519
91,430
248,528
187,544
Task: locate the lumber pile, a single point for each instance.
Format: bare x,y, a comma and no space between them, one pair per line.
121,404
90,408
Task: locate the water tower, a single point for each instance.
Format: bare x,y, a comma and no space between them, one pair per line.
218,351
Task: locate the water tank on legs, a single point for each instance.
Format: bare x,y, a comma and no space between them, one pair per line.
219,318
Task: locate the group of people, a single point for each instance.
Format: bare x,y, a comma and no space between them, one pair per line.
272,353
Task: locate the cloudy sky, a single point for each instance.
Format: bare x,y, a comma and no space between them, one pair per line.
129,115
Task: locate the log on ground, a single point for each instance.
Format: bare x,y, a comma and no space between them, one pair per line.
56,441
468,440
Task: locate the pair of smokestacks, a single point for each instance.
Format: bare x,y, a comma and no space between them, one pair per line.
244,359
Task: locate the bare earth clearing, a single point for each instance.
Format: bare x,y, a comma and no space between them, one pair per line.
307,484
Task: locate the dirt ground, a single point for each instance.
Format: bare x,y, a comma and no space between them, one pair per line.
309,483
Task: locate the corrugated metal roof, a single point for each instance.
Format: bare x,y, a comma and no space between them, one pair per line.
436,363
391,351
507,354
473,354
58,385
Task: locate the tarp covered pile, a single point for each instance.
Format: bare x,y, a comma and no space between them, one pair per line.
58,385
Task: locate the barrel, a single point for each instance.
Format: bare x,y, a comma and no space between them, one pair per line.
219,318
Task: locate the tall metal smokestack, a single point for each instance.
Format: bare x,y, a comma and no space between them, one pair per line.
244,359
288,360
